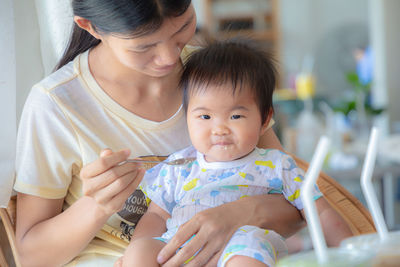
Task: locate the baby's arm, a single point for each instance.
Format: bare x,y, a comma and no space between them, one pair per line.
152,224
333,225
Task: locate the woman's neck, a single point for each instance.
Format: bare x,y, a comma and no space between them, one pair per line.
153,98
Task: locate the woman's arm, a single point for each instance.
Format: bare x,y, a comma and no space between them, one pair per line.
333,225
46,236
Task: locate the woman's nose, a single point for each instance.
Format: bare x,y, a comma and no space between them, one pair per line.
168,54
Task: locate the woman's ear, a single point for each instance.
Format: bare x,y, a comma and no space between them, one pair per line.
265,127
87,26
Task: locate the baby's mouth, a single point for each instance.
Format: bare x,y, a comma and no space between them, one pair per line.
223,145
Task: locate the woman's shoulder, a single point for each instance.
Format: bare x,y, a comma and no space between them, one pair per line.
58,77
62,78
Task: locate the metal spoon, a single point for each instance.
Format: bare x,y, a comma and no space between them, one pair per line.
176,162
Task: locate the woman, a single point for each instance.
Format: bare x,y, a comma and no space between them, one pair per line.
115,94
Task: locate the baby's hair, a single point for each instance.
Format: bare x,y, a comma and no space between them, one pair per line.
238,61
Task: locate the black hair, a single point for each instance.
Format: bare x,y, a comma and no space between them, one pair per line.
123,18
241,62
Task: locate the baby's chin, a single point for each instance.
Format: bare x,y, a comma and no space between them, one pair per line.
223,155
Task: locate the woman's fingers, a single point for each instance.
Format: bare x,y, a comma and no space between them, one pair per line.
185,232
118,200
105,162
214,260
204,255
105,194
94,184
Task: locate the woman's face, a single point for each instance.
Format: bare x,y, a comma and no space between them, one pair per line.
158,53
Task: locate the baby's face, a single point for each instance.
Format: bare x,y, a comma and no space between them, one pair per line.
223,126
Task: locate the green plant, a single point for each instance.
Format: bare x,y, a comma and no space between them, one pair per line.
347,106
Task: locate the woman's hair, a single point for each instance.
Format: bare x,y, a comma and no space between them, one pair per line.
123,18
239,62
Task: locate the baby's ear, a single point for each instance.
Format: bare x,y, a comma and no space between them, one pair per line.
265,125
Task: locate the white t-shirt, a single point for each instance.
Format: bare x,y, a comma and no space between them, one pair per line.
67,120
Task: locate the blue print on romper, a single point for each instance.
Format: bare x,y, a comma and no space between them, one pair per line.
214,193
316,188
231,187
168,205
150,170
259,257
225,175
212,178
235,248
292,164
267,246
249,177
185,173
275,183
153,187
163,172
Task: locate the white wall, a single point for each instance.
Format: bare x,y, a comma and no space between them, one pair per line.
325,29
385,38
29,62
7,99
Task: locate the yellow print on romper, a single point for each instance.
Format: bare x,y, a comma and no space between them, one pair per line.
190,185
295,195
266,163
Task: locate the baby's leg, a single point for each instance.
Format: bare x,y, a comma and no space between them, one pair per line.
143,252
253,246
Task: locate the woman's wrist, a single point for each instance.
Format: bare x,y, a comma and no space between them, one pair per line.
272,212
99,215
251,211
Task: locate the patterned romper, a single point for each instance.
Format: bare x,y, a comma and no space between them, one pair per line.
186,190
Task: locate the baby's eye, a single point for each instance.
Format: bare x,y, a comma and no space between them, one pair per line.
235,117
205,117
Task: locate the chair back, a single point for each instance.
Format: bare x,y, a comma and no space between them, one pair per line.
8,217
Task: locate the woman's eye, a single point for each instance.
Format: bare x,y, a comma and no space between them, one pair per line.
205,117
235,117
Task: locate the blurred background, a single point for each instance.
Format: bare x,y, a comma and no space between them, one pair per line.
338,62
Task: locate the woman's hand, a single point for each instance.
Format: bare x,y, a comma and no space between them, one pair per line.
214,227
108,182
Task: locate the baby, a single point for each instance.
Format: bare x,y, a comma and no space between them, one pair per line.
227,88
